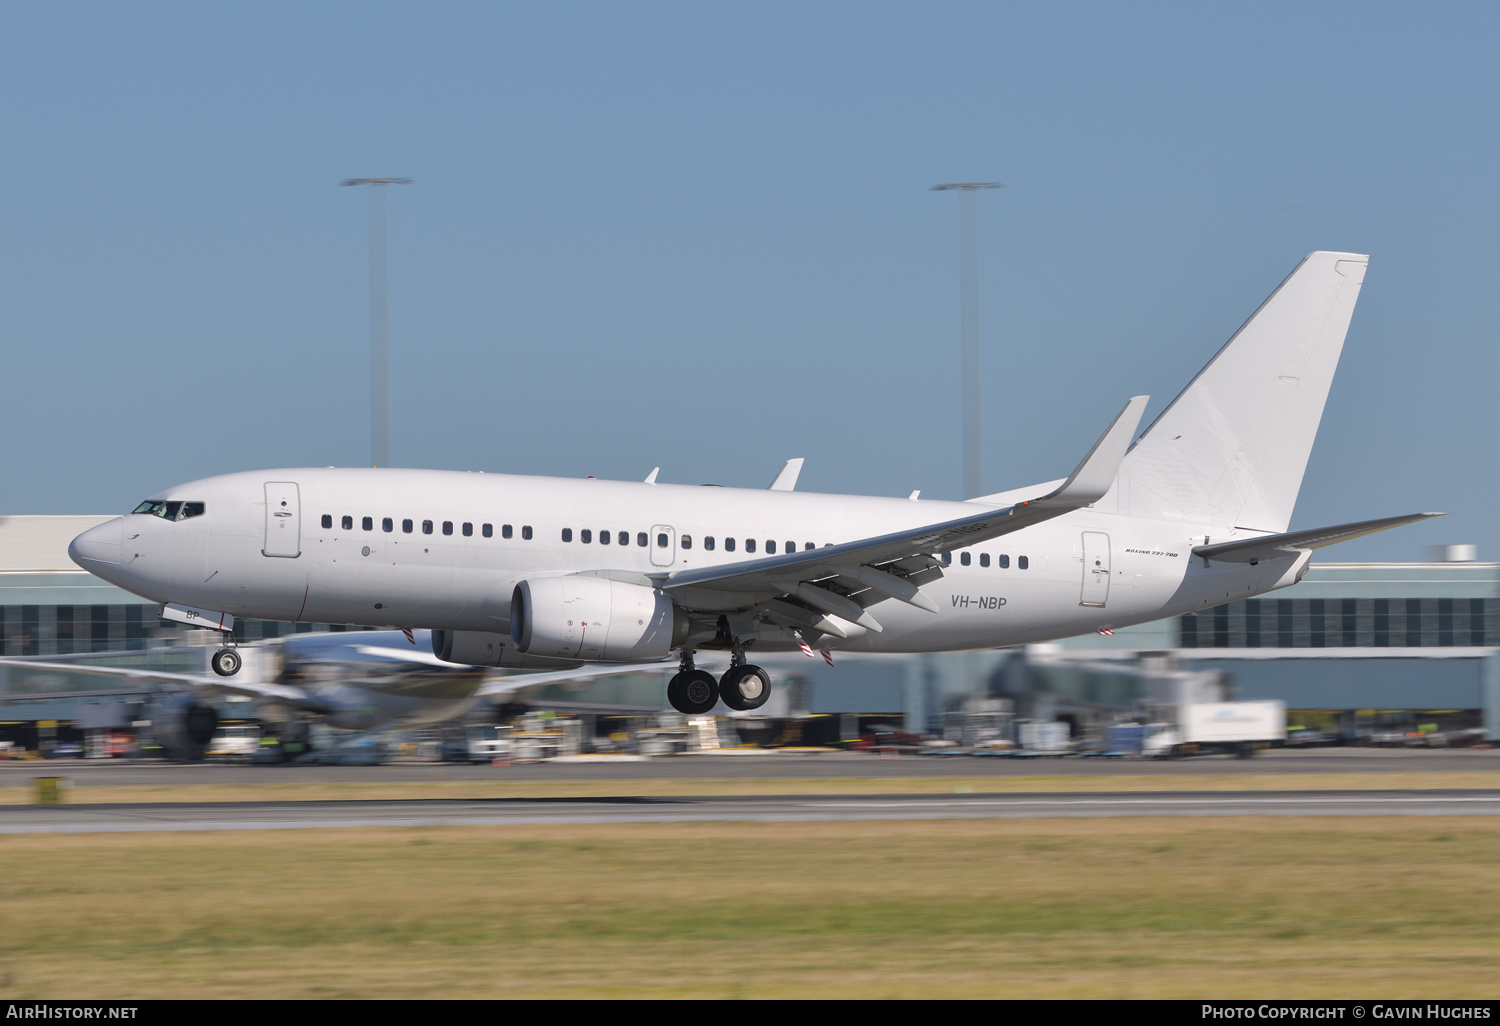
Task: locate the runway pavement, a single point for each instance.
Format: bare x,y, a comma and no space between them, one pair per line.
191,816
783,764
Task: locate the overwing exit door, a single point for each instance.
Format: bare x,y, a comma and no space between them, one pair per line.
283,520
663,545
1095,569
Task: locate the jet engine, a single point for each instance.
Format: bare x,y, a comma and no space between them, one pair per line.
472,648
483,648
584,617
183,725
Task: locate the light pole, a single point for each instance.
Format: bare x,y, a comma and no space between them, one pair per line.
380,343
968,251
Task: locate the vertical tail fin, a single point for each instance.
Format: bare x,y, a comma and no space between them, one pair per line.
1232,447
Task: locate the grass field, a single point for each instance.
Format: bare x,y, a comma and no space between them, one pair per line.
1286,907
502,788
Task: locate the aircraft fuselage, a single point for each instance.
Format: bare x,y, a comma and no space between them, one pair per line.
445,550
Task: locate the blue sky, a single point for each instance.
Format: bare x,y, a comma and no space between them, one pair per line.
700,236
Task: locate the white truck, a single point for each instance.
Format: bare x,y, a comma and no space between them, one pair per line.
1217,728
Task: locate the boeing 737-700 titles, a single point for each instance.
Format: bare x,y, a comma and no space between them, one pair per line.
535,572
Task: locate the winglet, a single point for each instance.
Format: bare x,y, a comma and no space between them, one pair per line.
651,477
1095,476
786,480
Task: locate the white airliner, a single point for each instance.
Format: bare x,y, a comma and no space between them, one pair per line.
551,573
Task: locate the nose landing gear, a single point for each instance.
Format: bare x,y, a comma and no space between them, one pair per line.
226,662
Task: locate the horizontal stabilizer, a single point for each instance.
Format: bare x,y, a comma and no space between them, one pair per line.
1253,550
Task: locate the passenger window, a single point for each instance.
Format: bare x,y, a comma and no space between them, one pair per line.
387,525
567,534
447,527
191,509
368,523
1004,561
603,537
406,527
488,530
586,536
728,544
327,522
964,558
749,544
789,547
468,529
526,532
708,542
687,541
984,559
948,557
505,531
640,539
348,523
427,527
624,538
1022,563
661,541
809,547
770,546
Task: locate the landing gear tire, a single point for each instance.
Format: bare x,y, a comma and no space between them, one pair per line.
745,687
226,662
693,692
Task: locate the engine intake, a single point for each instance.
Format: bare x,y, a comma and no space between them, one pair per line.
592,618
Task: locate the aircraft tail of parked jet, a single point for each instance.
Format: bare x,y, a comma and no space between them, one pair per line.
1231,449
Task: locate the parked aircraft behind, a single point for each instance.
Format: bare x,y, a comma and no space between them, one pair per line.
353,681
547,572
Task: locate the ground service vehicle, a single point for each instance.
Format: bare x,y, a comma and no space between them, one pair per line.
1218,728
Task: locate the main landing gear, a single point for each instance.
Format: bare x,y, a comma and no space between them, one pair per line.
743,687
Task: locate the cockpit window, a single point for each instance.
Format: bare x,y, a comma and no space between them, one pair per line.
170,510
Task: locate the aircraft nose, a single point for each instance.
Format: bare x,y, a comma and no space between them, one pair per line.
97,550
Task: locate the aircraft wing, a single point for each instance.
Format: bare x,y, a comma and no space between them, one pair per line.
1272,546
256,689
516,683
896,565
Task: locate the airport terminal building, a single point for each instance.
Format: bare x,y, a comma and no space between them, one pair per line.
1414,640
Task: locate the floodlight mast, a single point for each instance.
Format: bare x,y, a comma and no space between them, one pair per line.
969,307
380,345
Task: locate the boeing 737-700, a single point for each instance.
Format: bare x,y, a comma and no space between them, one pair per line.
535,572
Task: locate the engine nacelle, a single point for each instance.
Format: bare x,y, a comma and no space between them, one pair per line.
473,648
183,725
582,617
482,648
